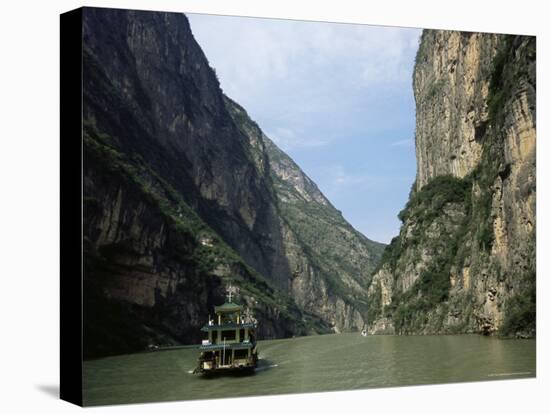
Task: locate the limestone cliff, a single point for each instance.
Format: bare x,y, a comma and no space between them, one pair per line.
464,260
181,198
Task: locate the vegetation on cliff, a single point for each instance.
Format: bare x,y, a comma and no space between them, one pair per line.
429,235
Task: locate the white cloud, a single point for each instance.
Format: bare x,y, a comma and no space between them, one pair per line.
336,97
287,139
297,71
341,178
403,143
337,178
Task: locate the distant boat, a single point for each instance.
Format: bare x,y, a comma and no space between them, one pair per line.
364,332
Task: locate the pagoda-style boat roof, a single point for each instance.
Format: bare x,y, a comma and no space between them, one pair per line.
227,307
230,325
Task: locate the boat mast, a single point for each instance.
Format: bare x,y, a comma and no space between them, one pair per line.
230,291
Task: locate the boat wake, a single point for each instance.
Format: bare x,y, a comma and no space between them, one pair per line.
266,367
258,369
264,364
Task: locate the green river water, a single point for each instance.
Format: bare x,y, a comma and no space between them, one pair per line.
311,364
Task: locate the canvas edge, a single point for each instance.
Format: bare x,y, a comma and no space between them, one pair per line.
71,206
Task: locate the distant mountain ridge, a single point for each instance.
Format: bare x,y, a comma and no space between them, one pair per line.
184,194
330,262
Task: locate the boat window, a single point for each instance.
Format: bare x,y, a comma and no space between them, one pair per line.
229,335
228,318
241,353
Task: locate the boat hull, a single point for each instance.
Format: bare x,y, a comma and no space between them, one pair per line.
210,367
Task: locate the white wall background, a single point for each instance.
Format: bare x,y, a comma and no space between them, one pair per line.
29,207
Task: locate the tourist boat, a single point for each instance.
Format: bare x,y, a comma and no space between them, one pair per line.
364,332
230,343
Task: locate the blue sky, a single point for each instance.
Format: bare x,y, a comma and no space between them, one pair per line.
336,97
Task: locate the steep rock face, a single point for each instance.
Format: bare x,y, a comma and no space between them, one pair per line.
153,270
179,200
150,88
464,260
451,85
